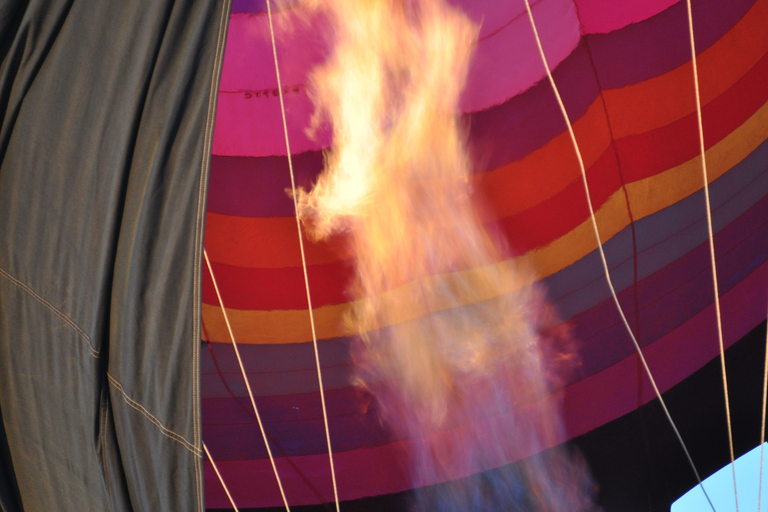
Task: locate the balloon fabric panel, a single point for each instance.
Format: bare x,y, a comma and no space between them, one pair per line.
627,86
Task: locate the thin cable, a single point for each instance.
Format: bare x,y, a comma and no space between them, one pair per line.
247,383
303,257
221,479
762,423
712,248
602,253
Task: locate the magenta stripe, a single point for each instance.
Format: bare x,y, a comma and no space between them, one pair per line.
249,121
596,16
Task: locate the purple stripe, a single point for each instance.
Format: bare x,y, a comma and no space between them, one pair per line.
662,237
661,43
671,296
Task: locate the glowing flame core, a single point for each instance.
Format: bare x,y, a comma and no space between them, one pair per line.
449,329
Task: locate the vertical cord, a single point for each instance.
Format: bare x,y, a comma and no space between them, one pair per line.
712,247
602,253
762,423
247,383
221,480
303,257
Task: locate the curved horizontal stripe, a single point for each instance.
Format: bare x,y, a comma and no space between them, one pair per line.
280,326
506,59
598,17
671,358
246,186
660,100
652,194
677,142
274,359
669,297
646,196
507,63
662,238
409,298
670,244
662,43
587,403
666,300
641,157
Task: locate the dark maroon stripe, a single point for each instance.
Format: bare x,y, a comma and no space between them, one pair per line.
661,43
256,187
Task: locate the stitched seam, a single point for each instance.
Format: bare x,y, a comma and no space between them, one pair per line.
164,430
62,316
208,137
107,475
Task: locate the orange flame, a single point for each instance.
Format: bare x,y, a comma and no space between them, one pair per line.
449,328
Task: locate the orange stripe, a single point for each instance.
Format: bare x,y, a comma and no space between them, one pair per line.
670,96
524,177
664,99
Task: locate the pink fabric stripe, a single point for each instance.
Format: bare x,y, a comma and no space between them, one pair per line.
254,126
507,62
248,121
600,17
588,403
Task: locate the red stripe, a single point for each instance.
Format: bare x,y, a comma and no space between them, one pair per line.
277,288
668,146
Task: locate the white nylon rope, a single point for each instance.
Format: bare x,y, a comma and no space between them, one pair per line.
712,247
762,424
247,383
303,257
602,253
221,480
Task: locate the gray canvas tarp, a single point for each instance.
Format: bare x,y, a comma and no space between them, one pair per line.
107,117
